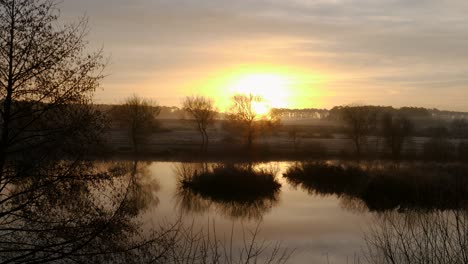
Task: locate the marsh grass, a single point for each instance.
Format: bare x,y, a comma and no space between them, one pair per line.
237,190
226,183
413,238
387,186
194,245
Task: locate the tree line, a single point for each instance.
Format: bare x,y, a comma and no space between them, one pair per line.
392,128
139,116
396,129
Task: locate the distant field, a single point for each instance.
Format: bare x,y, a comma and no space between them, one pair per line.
316,138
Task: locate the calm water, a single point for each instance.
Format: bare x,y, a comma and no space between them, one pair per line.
326,211
317,227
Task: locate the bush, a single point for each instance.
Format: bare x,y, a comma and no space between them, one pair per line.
226,183
388,187
239,191
326,179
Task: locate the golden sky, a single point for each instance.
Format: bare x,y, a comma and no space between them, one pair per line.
296,53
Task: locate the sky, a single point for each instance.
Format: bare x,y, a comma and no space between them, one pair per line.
297,53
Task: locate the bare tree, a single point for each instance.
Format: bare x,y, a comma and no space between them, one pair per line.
203,112
45,75
361,121
49,211
396,130
242,115
139,116
242,112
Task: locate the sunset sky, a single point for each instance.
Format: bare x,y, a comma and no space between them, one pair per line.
296,53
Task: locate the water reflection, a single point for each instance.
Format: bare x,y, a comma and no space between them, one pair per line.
386,186
419,211
106,212
142,192
76,211
236,190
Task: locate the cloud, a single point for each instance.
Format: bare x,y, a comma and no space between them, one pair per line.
420,43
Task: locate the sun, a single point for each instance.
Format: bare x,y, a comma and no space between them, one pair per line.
261,108
272,88
278,86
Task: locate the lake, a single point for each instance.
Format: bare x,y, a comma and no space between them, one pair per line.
322,226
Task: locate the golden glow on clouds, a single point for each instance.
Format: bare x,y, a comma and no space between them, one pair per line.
280,87
191,48
273,89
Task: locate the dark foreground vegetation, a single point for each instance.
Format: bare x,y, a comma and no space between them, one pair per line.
387,186
416,238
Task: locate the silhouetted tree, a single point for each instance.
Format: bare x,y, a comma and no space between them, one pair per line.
46,79
396,130
269,123
242,112
361,121
50,207
243,116
203,112
139,116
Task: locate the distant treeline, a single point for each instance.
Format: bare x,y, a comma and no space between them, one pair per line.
407,132
334,113
174,112
426,122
